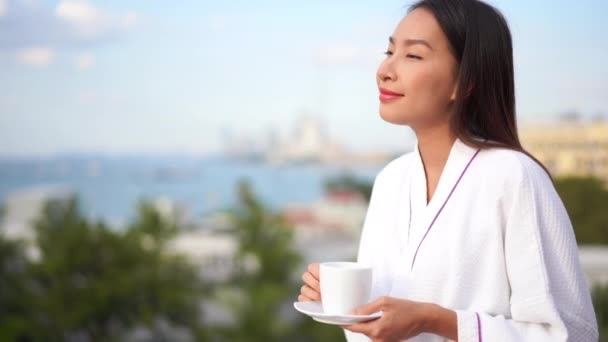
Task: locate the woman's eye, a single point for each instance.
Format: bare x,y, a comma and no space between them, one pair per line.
388,53
413,56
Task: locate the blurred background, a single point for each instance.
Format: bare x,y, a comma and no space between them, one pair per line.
168,170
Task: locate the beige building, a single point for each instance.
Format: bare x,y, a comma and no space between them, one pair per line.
569,147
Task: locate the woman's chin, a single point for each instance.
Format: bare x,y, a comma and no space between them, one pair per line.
392,117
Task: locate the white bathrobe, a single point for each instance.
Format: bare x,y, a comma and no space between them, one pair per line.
501,253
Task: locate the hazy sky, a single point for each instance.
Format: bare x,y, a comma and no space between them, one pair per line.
123,77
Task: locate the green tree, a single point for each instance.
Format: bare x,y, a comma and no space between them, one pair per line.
14,298
586,201
97,284
263,288
600,303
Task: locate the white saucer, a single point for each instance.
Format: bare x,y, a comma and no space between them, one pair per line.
315,310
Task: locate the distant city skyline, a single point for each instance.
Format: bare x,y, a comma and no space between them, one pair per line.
121,78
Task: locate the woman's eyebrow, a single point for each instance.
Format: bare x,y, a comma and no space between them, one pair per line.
411,42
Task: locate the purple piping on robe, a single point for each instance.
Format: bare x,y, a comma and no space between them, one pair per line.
478,328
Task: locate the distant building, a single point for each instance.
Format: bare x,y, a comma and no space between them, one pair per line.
569,147
310,137
307,143
338,214
214,254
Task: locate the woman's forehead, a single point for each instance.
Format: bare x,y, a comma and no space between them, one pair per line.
420,24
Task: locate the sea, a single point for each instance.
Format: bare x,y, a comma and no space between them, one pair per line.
109,188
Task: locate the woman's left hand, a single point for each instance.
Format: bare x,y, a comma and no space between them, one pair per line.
401,319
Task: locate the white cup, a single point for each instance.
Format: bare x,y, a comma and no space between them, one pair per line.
344,286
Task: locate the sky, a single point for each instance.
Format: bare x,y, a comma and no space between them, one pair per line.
119,77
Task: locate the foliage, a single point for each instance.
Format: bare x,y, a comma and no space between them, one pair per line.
586,201
600,303
93,283
14,303
266,279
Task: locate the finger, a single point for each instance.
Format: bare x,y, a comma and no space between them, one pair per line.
311,281
314,270
303,298
375,306
364,328
356,328
310,293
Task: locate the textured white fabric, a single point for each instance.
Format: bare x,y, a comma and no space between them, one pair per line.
502,253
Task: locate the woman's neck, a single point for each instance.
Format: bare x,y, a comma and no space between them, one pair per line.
434,144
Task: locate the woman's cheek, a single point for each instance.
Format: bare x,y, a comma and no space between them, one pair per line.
434,89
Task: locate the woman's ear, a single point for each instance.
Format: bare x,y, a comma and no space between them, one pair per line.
455,91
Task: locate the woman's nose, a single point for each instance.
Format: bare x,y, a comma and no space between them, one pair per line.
385,72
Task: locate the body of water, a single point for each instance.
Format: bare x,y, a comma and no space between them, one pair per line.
110,188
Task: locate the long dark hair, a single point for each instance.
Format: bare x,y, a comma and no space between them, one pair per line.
480,40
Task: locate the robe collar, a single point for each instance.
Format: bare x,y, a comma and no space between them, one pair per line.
422,214
459,156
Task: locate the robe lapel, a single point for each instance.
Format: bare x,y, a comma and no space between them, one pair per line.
417,196
423,214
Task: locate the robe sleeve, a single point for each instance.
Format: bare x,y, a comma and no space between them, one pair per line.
550,299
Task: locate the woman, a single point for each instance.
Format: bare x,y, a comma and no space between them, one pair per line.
466,235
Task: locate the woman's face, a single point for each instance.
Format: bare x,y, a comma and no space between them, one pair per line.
418,78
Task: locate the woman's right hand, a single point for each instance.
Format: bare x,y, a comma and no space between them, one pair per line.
311,290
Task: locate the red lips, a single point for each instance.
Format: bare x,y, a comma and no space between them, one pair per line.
388,95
